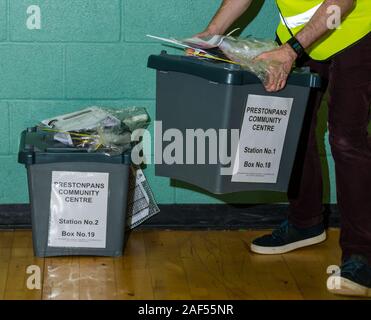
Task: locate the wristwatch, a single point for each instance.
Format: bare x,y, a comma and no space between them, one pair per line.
296,46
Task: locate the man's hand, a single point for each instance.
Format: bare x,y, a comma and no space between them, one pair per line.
206,33
281,61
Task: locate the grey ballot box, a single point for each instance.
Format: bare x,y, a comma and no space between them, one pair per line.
44,158
193,93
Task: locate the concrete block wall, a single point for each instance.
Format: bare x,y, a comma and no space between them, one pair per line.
94,52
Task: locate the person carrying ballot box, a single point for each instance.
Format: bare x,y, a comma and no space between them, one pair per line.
333,38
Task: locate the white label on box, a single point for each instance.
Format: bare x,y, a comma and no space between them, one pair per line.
262,139
78,209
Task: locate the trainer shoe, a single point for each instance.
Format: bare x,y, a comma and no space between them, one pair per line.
288,238
352,279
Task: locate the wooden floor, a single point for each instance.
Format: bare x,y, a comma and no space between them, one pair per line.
171,265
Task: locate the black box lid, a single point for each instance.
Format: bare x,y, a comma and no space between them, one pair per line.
224,73
39,147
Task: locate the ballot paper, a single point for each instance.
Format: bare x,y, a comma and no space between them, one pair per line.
196,44
141,202
85,119
64,137
205,43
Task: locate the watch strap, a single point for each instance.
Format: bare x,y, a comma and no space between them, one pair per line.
296,46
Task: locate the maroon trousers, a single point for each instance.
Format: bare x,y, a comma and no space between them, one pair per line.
348,78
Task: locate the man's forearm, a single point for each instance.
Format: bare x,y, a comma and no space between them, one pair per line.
228,12
318,25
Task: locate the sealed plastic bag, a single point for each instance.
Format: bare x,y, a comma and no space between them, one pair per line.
241,51
98,129
245,49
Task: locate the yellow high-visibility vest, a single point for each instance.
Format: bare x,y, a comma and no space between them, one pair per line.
297,13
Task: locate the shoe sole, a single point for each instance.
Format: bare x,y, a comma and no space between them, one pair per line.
288,247
347,287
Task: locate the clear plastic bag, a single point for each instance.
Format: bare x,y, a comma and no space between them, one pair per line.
248,48
98,129
244,51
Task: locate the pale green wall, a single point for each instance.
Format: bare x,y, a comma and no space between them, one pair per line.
94,52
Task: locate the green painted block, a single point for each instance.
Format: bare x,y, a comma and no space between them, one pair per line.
20,119
3,19
321,130
327,147
188,194
13,187
184,18
110,71
329,186
164,193
4,127
261,20
67,20
176,18
30,71
24,114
